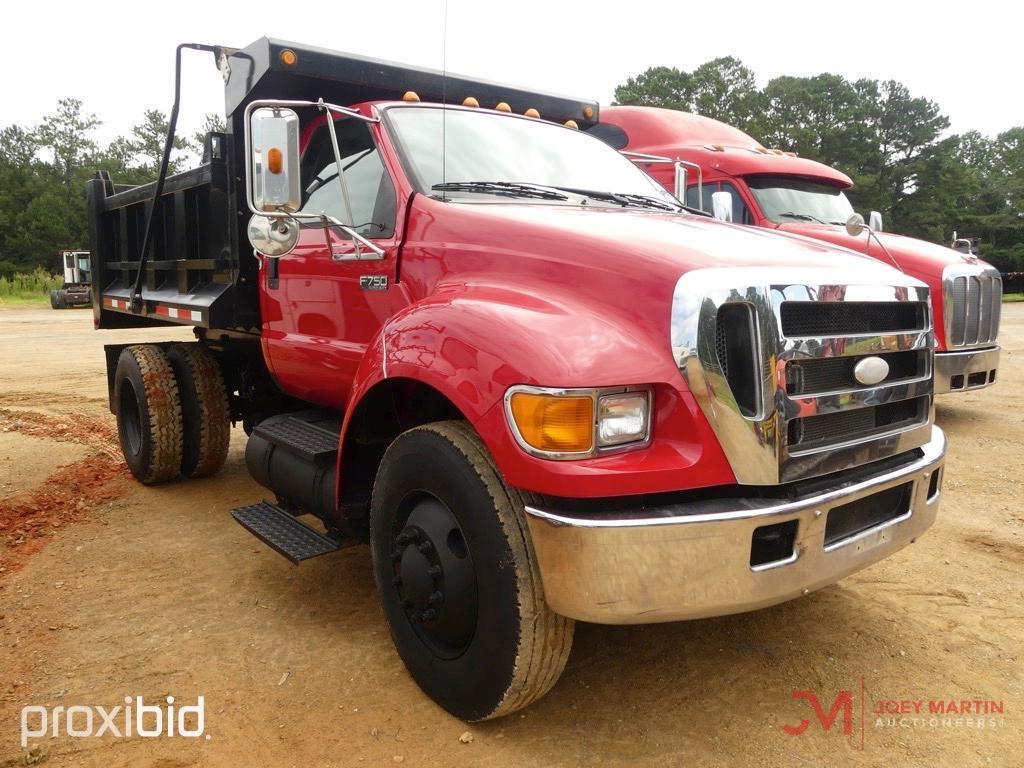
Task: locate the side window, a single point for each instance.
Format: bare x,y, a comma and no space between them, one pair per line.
740,212
369,186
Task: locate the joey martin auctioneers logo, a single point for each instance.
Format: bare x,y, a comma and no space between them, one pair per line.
133,718
923,713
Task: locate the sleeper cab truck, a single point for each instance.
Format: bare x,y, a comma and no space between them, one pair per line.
778,190
514,365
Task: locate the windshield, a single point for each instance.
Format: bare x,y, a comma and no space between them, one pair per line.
471,147
786,199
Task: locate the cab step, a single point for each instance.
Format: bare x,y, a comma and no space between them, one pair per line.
282,532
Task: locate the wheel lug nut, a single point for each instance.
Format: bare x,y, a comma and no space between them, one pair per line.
436,598
428,615
402,539
425,547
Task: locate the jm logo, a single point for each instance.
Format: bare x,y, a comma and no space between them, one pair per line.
843,702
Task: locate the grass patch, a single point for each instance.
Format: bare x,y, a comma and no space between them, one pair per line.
28,287
1012,297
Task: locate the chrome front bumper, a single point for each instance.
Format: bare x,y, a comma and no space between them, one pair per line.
970,369
694,560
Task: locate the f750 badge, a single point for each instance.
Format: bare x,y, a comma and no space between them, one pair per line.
373,282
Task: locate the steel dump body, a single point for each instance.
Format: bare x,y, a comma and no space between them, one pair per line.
199,269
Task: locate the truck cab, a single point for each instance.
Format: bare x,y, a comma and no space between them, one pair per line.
76,291
777,190
459,329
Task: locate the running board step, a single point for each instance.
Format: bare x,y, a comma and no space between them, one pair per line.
311,435
283,533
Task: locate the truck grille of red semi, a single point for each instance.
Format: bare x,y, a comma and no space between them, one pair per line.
974,306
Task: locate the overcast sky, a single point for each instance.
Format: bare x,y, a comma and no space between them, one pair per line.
118,57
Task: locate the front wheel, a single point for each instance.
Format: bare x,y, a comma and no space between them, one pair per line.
457,576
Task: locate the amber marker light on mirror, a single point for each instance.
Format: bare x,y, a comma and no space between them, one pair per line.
554,423
274,160
288,57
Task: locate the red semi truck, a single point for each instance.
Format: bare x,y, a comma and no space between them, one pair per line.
492,348
778,190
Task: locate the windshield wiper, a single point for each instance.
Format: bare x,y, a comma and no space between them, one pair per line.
502,188
626,198
801,217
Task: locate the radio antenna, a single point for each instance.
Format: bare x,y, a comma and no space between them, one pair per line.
444,97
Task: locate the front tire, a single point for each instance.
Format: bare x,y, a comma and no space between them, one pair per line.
458,578
148,413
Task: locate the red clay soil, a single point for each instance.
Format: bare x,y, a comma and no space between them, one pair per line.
28,519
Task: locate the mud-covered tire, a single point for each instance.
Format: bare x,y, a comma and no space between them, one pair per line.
517,647
206,417
148,413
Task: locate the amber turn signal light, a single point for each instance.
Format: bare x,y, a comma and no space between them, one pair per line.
554,423
274,160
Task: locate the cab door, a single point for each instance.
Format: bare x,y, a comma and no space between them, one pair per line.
321,305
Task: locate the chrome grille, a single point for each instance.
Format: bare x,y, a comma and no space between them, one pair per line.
973,300
811,329
831,374
848,318
833,428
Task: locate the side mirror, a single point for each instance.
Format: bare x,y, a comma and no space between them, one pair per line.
680,183
274,160
855,225
273,236
875,221
721,206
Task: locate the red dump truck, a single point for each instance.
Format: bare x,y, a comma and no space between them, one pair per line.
778,190
491,347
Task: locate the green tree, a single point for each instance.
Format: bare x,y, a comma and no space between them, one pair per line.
147,141
66,133
665,87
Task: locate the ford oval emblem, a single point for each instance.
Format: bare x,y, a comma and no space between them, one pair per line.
870,370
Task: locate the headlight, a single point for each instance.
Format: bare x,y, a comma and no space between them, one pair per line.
622,418
577,423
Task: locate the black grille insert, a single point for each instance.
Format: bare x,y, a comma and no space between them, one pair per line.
828,428
863,514
828,374
737,354
847,318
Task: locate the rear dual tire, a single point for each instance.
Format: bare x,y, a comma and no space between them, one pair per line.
172,412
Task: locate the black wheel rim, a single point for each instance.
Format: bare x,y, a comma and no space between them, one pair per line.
129,419
433,575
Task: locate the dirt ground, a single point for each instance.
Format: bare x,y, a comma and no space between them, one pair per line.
109,589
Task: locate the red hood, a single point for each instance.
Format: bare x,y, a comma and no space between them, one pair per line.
919,258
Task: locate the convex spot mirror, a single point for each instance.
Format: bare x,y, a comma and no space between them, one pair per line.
721,206
855,225
273,236
274,160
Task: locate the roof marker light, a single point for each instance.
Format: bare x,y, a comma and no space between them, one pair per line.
410,96
469,101
503,107
531,112
588,112
572,124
